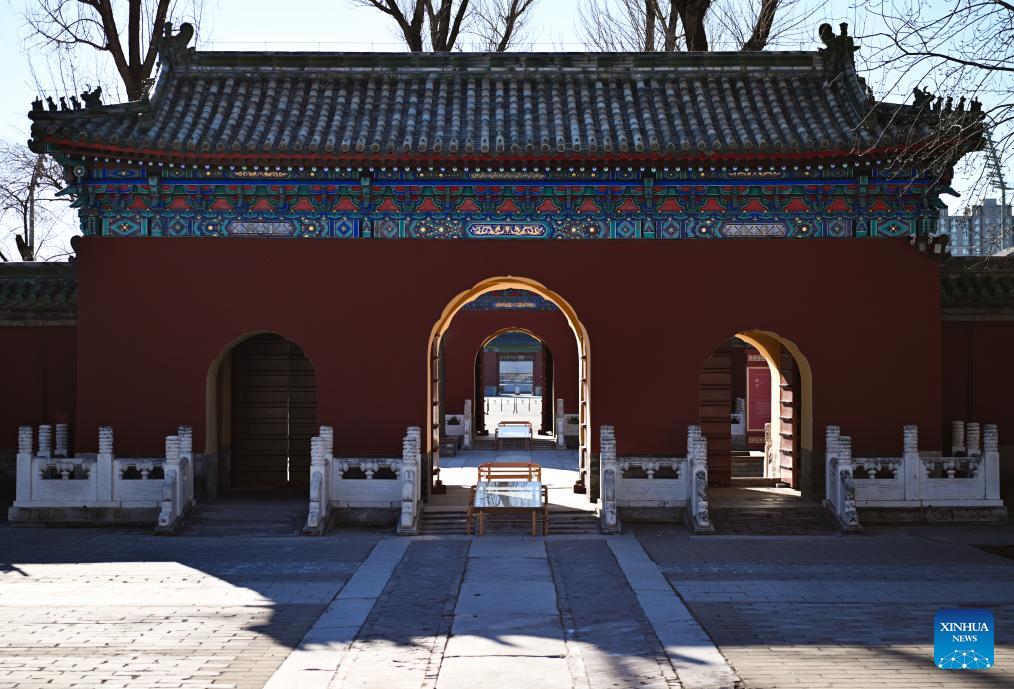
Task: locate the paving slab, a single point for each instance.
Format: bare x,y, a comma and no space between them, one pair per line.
609,639
539,642
313,663
403,639
693,654
508,547
504,672
505,597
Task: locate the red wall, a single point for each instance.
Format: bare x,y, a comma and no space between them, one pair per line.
979,375
38,378
471,328
154,313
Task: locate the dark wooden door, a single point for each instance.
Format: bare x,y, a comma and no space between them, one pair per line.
548,405
788,406
715,413
274,413
479,405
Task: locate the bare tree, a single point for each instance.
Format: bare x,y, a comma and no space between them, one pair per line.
696,25
30,208
500,24
947,54
443,25
128,31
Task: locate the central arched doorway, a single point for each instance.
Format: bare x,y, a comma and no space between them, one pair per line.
262,411
435,355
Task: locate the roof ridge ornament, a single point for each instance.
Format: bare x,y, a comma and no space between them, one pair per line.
92,99
173,47
839,54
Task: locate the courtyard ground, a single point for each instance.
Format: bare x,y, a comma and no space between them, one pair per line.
361,608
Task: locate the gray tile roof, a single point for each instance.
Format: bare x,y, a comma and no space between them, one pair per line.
977,282
228,106
40,291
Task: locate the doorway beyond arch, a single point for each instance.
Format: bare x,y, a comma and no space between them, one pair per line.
540,388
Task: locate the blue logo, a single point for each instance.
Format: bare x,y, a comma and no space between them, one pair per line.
963,639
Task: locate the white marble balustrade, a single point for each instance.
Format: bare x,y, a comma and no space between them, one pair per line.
364,483
655,482
54,487
968,477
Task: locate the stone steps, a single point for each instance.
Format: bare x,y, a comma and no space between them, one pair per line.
488,442
247,518
452,522
747,466
771,521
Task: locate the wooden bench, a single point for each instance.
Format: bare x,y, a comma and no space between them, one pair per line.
450,444
510,471
514,430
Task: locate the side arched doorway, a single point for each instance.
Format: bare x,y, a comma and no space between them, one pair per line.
753,382
262,411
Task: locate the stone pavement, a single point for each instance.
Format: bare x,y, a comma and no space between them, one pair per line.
844,612
90,607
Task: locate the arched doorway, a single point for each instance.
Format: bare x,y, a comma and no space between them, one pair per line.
514,380
754,380
434,396
262,412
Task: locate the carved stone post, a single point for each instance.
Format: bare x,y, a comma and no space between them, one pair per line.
61,440
991,460
697,458
327,436
104,465
847,505
318,468
411,465
23,490
771,469
561,426
957,438
831,449
106,440
170,485
912,466
609,468
45,441
327,455
972,448
186,436
466,441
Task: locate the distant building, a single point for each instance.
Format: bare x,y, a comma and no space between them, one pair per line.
979,230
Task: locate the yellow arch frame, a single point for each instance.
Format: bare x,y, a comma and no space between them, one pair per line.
444,322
